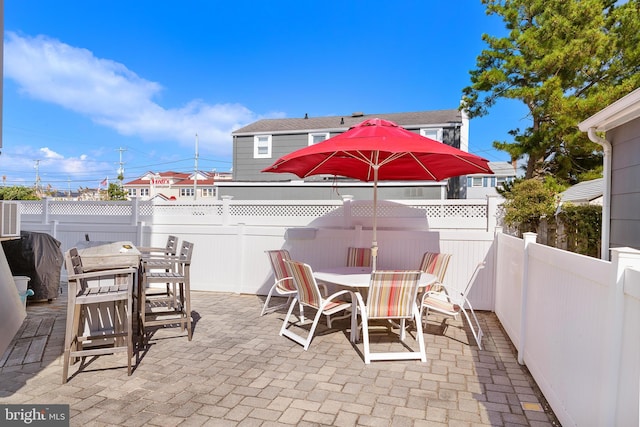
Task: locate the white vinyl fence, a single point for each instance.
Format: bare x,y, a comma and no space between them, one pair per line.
574,320
230,236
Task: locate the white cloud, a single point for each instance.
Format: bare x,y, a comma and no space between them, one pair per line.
114,96
49,154
51,166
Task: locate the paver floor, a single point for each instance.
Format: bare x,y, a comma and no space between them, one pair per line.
237,371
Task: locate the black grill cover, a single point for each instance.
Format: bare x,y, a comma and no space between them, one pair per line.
38,256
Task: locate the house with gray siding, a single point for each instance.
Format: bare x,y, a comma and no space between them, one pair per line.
479,186
259,144
617,129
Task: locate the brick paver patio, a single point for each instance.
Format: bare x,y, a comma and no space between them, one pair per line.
237,371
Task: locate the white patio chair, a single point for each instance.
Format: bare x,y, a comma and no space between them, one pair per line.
392,296
435,263
308,294
453,302
283,284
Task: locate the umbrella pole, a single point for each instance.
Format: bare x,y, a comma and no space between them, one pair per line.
374,243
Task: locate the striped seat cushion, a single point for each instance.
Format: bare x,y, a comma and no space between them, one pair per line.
392,294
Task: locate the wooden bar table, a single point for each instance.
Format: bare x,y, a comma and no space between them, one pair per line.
96,256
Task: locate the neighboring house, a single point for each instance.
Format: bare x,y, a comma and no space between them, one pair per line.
621,191
480,186
584,193
174,186
259,144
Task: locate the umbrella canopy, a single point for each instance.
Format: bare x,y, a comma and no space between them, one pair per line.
380,150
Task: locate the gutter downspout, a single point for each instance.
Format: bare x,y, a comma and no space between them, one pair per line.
606,194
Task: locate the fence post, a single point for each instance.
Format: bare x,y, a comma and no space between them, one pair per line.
45,210
347,219
621,259
135,210
54,229
226,214
242,267
492,212
527,238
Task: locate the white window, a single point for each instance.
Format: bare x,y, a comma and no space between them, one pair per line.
432,133
262,147
132,192
186,192
208,192
316,137
476,181
144,192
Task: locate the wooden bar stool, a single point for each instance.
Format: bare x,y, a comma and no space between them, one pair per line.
115,285
158,310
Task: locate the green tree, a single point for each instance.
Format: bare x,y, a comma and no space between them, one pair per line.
115,192
583,228
527,201
565,60
18,192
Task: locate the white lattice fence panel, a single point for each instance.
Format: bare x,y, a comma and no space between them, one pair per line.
90,208
284,210
30,208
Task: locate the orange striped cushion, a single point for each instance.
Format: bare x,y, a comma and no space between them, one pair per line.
440,304
359,257
392,294
308,292
277,259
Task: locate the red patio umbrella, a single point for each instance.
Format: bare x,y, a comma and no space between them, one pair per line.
378,150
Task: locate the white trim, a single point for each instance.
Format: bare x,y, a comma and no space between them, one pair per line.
616,114
438,132
257,140
312,134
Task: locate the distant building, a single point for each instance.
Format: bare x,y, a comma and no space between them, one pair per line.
259,144
480,186
584,193
175,185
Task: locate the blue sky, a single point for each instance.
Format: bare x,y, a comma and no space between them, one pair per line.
84,79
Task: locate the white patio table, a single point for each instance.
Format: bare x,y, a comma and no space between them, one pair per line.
357,278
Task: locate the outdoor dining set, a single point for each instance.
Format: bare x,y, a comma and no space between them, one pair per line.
397,298
111,285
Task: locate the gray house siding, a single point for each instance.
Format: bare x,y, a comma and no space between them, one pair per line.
247,168
625,185
288,135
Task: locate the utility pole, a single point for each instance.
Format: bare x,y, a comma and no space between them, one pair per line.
37,167
121,168
195,173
